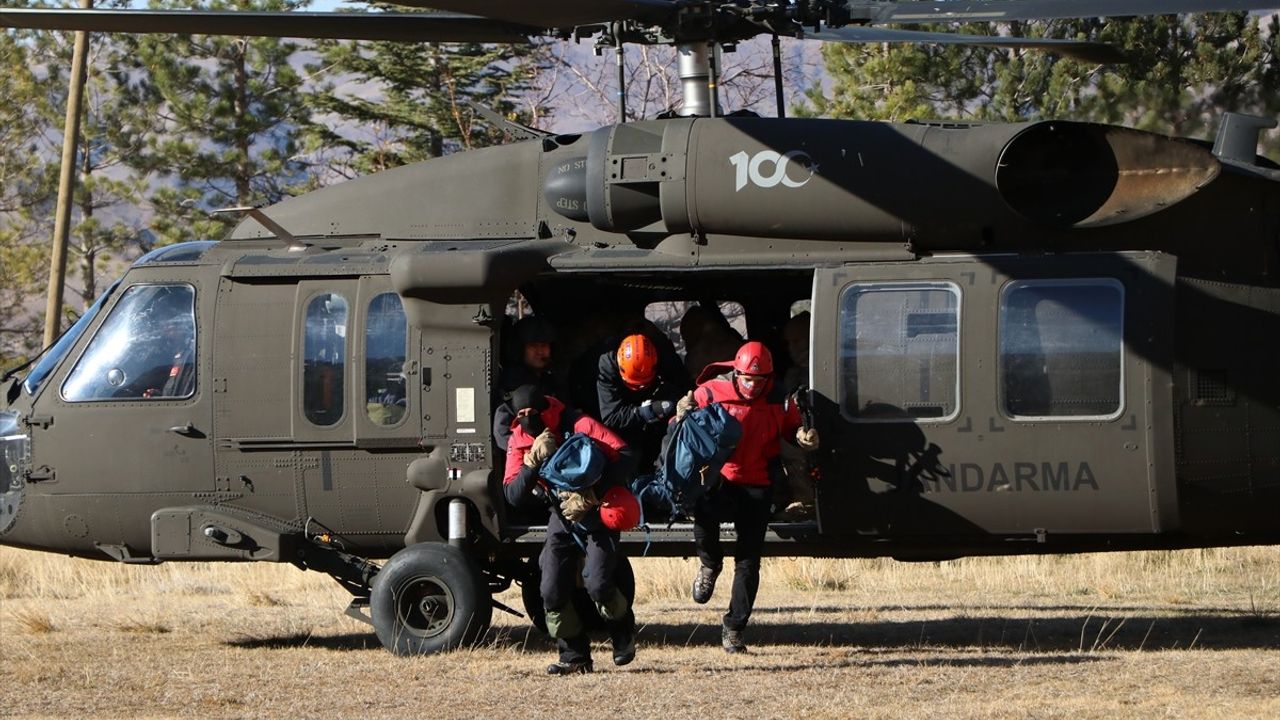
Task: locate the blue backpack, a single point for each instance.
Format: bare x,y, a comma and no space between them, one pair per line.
692,453
575,465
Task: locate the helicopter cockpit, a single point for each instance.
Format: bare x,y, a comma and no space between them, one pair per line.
145,350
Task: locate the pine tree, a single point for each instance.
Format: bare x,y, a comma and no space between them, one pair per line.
231,109
23,258
412,101
1184,72
114,123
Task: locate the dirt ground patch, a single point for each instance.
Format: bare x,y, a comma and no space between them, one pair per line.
1182,635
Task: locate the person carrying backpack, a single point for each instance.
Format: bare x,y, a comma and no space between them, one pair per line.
744,496
575,527
638,395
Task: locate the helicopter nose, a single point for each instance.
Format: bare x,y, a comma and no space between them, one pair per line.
15,447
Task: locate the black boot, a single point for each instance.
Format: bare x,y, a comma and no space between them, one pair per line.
624,640
731,640
560,667
624,650
704,585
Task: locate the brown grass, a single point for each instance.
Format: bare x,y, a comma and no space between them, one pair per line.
1185,635
34,622
143,626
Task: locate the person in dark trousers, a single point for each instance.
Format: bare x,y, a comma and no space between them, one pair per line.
636,397
532,366
744,496
574,528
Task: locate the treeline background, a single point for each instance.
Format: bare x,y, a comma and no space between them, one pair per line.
177,126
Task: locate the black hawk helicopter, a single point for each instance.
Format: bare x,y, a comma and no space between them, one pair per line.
1049,337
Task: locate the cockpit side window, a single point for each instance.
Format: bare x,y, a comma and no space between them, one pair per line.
324,359
145,349
384,346
42,369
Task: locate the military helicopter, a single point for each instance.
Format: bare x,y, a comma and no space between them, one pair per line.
1052,337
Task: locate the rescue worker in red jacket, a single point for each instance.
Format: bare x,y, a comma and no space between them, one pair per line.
744,494
540,423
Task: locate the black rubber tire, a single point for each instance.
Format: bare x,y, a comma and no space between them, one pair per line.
428,598
532,597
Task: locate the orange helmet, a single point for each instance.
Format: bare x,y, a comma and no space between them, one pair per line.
754,359
619,509
637,361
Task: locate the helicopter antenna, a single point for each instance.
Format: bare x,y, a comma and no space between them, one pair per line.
520,131
291,242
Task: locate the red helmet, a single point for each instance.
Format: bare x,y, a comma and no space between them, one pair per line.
619,509
637,361
754,359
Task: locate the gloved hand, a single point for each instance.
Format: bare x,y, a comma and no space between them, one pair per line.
656,410
575,505
807,439
544,446
685,404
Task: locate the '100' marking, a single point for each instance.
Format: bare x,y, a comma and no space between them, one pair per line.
768,168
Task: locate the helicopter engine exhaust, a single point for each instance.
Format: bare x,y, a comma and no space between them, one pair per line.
1080,175
843,180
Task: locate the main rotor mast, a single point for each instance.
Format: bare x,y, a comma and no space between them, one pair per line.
698,68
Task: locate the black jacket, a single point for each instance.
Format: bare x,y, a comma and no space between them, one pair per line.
620,407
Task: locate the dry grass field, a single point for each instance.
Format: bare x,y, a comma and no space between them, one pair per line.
1192,634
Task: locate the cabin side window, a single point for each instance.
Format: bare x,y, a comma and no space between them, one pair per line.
702,333
899,351
324,359
1061,348
386,333
145,350
686,326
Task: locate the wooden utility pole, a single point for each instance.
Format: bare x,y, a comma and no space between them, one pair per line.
66,186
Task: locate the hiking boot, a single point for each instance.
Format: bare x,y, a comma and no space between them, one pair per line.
560,667
731,641
796,512
704,585
624,648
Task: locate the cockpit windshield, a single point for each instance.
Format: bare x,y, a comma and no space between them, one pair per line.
185,252
50,361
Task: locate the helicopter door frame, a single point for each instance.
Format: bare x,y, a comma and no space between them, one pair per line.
975,468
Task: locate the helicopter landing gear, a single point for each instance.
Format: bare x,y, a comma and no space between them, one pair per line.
427,598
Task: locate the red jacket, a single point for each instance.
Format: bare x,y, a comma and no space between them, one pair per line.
521,441
763,424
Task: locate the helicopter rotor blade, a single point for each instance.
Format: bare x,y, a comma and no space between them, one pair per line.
559,14
403,27
915,12
1080,50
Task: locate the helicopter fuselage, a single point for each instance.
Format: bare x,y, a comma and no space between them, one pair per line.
1052,337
